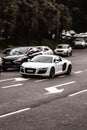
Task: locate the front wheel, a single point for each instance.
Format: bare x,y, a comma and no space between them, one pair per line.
52,72
4,69
24,76
69,70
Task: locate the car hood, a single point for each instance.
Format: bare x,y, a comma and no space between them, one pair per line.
13,57
36,65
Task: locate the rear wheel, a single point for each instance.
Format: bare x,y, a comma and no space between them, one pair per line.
69,70
52,72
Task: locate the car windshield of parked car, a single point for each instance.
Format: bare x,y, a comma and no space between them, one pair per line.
79,39
42,59
62,46
33,50
18,51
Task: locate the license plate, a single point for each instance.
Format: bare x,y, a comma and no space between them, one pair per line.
30,71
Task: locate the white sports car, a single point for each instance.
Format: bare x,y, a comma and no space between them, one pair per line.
46,65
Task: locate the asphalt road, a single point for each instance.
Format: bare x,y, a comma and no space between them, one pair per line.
38,103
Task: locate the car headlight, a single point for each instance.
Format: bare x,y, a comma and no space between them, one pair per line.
0,60
21,67
83,43
42,70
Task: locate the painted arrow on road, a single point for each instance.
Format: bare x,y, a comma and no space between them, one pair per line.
54,89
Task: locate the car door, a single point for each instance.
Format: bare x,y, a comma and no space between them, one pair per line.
58,65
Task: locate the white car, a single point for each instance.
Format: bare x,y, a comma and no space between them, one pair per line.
63,49
80,42
46,65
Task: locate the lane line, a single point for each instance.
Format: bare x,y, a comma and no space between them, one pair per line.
21,79
16,79
78,72
54,89
72,82
78,93
6,79
14,85
15,112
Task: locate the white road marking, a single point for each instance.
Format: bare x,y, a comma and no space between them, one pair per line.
54,89
16,79
14,85
6,79
20,79
77,72
15,112
78,93
41,80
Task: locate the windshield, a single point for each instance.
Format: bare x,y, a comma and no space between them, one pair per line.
18,51
42,59
33,50
62,46
79,39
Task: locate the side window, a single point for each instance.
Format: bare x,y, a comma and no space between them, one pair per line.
46,49
57,59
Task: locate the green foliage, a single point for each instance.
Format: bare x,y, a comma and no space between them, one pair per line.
26,20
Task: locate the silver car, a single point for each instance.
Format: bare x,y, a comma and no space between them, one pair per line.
63,49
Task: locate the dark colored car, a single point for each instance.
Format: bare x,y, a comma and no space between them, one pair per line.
16,53
33,51
5,52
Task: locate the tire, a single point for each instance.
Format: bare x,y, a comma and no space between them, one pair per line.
69,70
68,54
71,53
52,72
24,76
4,69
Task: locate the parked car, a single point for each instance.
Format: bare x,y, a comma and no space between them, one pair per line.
9,61
33,51
80,42
46,65
63,49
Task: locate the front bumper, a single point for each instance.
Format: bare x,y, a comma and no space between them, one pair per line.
33,71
